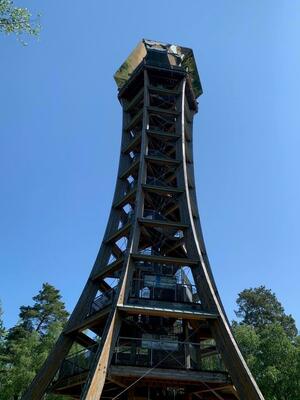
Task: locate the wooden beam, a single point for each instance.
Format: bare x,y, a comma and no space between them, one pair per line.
162,223
94,387
69,382
135,100
134,120
119,233
206,390
162,189
110,268
132,167
131,145
84,340
166,312
165,260
182,376
90,321
162,90
125,199
159,111
162,134
162,160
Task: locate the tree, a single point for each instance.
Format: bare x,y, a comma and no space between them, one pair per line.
16,20
22,359
260,307
268,340
28,343
2,344
47,310
249,343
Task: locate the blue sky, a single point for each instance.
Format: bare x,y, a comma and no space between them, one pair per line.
60,140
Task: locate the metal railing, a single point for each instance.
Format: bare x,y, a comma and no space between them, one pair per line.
76,363
151,180
153,215
149,251
101,301
157,268
164,288
173,354
125,219
159,153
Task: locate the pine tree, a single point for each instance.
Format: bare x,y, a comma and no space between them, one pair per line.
48,309
260,307
28,343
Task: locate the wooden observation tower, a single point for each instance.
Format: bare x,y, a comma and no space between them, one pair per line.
149,323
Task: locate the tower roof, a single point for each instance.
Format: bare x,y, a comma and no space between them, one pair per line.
162,55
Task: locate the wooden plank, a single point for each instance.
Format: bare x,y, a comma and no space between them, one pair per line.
89,321
94,387
133,142
114,266
166,312
158,110
162,90
215,388
162,223
176,375
162,134
162,160
133,166
135,100
70,382
125,199
165,259
119,233
162,189
134,120
84,340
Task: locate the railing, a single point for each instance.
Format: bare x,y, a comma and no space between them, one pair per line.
147,352
164,288
129,187
151,180
77,363
126,218
154,152
166,102
149,251
153,215
156,268
103,300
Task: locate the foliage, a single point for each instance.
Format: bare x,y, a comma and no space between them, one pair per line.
259,307
2,341
16,20
28,343
47,309
268,341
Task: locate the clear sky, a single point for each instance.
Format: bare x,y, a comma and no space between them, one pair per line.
60,124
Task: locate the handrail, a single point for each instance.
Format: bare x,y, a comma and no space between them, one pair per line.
101,301
153,213
173,354
76,363
160,340
163,289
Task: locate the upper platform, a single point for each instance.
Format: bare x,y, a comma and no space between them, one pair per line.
161,55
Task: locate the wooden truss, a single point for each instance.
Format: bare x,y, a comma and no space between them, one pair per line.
149,323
